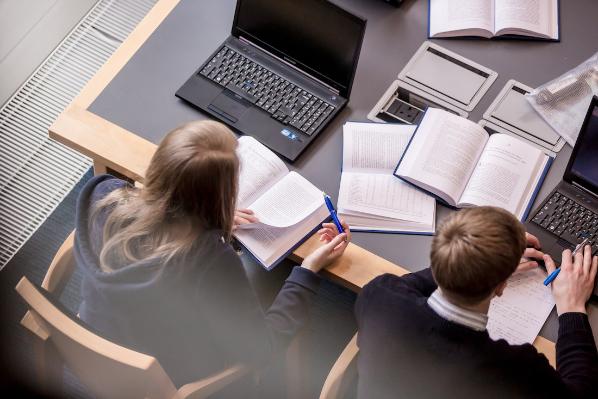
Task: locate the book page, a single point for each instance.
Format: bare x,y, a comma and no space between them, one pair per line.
503,174
386,196
288,202
371,152
374,147
259,168
518,315
366,222
527,16
443,153
459,16
268,244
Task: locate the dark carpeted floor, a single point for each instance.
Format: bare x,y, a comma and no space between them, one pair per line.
331,328
32,260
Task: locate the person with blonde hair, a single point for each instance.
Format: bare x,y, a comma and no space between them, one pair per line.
159,274
424,335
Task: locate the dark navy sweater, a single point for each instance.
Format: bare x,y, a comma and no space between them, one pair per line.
406,350
195,316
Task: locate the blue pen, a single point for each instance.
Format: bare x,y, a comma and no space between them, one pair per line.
333,213
556,272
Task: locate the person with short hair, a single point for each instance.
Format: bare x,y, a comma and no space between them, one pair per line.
423,335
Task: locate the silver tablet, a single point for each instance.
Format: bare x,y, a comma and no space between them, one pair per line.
511,111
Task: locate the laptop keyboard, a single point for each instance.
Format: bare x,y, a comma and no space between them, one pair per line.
569,220
283,100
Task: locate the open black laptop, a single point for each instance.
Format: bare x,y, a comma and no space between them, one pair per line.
570,212
286,70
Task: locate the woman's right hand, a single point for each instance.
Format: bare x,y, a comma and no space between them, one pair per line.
332,250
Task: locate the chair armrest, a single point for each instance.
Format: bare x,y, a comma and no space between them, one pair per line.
61,268
547,348
32,323
207,386
343,371
47,363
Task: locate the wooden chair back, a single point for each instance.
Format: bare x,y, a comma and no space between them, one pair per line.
108,370
342,374
61,269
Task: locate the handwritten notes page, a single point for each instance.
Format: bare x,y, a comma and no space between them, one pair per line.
518,315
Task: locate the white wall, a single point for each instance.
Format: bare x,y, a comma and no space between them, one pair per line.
29,31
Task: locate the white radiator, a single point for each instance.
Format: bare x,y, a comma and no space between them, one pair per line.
36,173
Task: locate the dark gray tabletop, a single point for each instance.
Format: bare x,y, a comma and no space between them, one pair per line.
141,97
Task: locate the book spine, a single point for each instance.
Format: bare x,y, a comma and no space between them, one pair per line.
412,233
537,189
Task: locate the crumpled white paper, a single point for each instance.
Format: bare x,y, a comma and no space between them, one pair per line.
563,102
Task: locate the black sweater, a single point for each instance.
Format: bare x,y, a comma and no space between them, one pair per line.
406,350
194,316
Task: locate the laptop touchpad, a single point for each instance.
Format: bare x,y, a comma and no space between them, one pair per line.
229,105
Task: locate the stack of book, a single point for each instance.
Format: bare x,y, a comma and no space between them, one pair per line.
370,197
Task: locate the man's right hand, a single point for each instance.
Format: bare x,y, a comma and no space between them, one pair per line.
573,286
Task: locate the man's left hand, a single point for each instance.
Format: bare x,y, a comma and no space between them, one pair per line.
531,252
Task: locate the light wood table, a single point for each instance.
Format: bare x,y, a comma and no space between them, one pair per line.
115,149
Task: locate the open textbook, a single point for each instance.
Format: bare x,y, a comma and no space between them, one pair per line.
288,206
459,162
488,18
370,197
518,315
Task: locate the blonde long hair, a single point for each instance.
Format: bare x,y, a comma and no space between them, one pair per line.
190,187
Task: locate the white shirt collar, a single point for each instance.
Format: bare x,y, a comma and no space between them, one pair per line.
451,312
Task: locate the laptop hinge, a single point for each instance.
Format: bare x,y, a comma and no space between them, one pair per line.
584,189
332,89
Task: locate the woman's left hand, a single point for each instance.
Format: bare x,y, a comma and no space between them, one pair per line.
243,216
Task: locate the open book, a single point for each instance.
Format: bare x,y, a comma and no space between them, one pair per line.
370,197
460,163
488,18
288,206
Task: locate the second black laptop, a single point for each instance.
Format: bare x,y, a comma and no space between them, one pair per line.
286,70
570,213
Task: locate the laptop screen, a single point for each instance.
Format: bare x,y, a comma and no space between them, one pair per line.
315,36
583,166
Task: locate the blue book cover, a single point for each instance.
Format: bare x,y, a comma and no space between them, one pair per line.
528,205
503,37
